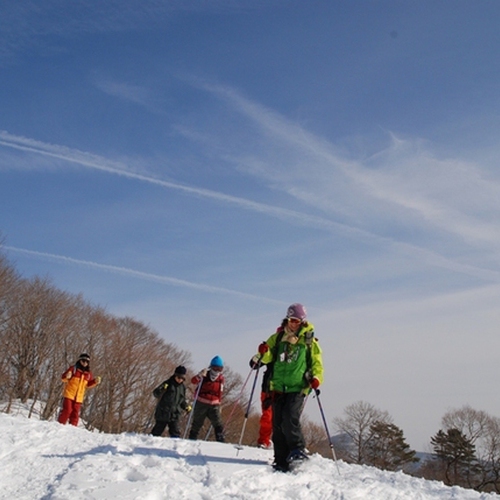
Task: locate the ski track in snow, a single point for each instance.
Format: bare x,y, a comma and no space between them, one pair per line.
45,460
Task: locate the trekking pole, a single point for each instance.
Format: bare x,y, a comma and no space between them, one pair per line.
239,447
208,432
237,400
192,408
317,392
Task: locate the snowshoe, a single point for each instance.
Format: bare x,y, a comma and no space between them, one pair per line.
296,457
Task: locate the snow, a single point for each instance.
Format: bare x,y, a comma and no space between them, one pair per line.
46,460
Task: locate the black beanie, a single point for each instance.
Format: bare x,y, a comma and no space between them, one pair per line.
180,370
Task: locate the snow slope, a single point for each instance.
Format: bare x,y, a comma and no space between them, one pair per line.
45,460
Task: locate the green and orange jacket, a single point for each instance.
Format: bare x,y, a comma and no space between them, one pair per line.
293,367
77,382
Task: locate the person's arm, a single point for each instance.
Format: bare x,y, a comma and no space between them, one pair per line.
266,349
198,378
316,363
93,381
67,375
158,391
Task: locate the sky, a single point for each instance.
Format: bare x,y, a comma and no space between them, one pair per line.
44,460
201,165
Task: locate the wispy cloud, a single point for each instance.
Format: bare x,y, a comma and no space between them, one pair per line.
405,178
117,168
166,280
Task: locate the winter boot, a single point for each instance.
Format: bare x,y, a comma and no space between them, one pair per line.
280,467
219,435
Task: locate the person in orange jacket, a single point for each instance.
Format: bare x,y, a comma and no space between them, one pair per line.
77,379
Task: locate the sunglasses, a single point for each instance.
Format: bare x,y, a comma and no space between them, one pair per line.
180,377
84,361
216,368
295,321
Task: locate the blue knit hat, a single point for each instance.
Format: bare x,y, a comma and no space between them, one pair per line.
217,361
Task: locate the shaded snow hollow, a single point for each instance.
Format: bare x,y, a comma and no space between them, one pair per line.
46,460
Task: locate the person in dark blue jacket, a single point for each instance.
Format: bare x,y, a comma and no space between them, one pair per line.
172,401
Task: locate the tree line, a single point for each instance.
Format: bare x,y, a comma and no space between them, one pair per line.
43,330
465,451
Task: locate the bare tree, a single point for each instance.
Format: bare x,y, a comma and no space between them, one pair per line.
472,423
9,281
132,360
39,317
315,437
357,426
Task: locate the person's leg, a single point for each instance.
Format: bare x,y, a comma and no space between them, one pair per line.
281,450
266,420
216,420
75,413
65,411
291,424
173,428
158,428
199,415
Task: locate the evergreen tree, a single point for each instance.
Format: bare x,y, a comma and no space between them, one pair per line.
458,455
387,448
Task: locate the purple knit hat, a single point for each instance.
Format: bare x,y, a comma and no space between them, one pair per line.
297,311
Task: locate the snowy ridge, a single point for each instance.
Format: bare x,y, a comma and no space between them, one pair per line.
45,460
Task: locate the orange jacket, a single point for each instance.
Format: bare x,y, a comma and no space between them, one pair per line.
76,383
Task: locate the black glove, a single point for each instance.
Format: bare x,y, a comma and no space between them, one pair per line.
255,362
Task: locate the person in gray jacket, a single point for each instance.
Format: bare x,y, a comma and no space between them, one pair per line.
172,401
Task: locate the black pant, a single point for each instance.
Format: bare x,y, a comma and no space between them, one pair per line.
287,431
202,411
173,428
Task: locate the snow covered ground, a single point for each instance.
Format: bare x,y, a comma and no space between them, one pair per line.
45,460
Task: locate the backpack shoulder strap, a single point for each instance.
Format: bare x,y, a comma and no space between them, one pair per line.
309,337
279,337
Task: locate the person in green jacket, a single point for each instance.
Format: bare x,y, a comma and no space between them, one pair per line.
294,356
172,401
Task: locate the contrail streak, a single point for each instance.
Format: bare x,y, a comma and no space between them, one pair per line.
140,275
112,167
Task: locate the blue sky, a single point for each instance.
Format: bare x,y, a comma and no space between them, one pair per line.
201,165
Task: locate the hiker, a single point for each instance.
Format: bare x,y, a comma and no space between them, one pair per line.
266,416
297,368
208,400
172,401
77,379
